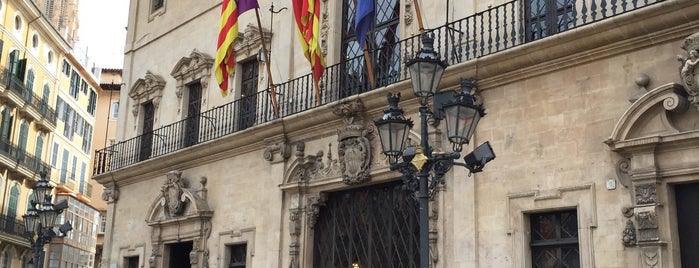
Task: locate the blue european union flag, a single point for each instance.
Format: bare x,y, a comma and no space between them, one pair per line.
363,19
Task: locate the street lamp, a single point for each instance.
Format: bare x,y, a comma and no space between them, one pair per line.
40,219
423,169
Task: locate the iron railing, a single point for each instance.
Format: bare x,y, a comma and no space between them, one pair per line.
15,85
23,158
11,225
487,32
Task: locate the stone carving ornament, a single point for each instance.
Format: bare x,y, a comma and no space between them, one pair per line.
150,88
688,70
629,237
354,149
646,194
295,232
172,191
110,194
313,204
196,67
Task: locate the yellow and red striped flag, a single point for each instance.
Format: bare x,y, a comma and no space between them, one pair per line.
307,14
228,31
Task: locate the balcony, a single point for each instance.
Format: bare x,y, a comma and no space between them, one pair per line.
12,229
30,105
488,32
20,163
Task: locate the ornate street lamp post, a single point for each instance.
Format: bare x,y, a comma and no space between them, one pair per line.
41,217
423,169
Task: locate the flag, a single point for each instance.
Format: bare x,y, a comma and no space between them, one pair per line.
306,13
363,19
228,31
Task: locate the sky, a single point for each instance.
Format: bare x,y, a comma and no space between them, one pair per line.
102,31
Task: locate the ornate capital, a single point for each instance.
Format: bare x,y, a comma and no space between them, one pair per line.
277,146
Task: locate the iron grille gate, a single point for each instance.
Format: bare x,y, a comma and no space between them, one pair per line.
372,227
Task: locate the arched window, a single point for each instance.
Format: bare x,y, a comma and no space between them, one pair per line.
6,259
23,133
12,204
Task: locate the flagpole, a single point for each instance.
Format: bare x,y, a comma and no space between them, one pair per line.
418,13
269,68
369,67
317,87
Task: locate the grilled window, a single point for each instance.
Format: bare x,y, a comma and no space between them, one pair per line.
157,4
554,239
548,17
380,40
369,227
237,255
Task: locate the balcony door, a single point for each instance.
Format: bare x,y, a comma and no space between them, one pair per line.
147,136
193,115
247,103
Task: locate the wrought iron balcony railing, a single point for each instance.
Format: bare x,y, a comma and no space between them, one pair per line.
484,33
16,86
11,225
23,158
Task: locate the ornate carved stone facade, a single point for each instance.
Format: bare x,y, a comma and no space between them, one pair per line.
150,88
354,148
196,67
688,71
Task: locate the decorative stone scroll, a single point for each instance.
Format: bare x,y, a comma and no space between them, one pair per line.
276,146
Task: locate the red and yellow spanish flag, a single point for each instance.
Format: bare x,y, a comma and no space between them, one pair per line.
307,14
228,31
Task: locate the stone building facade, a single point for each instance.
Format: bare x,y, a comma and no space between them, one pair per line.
591,115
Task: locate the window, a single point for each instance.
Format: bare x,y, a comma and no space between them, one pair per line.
6,259
23,133
87,138
548,17
69,122
64,166
39,148
131,262
60,109
18,23
554,239
381,37
35,41
79,125
54,155
13,202
83,86
83,169
157,4
29,85
73,167
92,103
237,255
6,128
49,8
49,57
103,223
66,68
74,84
114,110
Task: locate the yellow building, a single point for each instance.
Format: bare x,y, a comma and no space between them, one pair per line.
47,107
